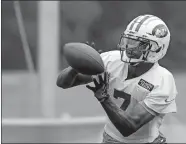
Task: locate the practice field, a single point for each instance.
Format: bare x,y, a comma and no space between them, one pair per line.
21,99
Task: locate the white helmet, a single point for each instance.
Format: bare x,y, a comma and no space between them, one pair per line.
148,35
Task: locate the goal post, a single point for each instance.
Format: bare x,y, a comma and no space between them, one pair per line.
48,57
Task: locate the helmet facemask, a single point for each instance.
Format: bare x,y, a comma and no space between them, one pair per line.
135,48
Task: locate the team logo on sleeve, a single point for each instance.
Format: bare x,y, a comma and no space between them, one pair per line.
146,85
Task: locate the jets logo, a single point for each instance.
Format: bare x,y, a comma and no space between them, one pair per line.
160,31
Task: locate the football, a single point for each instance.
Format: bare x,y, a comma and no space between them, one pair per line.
83,58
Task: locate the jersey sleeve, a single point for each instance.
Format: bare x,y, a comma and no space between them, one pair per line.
111,58
106,58
162,99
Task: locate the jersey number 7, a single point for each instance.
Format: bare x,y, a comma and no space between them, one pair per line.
123,95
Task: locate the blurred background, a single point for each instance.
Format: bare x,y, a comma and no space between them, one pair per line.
34,109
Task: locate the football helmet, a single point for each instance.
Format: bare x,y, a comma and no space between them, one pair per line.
146,39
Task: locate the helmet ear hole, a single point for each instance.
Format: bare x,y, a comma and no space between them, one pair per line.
158,50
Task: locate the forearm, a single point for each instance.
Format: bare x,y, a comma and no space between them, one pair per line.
127,122
119,118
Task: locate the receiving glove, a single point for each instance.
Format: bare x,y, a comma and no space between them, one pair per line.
101,87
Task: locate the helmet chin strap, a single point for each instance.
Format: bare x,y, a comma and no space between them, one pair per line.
135,62
132,61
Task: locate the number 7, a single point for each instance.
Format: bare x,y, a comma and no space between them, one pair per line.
123,95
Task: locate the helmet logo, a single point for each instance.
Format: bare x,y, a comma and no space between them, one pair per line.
160,31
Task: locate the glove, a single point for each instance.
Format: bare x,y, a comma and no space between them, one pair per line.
101,88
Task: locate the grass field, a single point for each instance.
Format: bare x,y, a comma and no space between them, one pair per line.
21,99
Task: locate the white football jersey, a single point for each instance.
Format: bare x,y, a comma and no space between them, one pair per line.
156,88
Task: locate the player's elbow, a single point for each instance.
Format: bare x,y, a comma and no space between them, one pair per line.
61,83
131,125
127,134
131,129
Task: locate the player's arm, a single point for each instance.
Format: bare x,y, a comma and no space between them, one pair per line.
127,122
69,78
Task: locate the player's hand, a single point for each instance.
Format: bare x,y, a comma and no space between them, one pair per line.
92,44
101,87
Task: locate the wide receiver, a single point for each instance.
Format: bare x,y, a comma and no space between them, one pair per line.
135,91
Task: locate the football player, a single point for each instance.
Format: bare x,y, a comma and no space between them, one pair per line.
135,91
